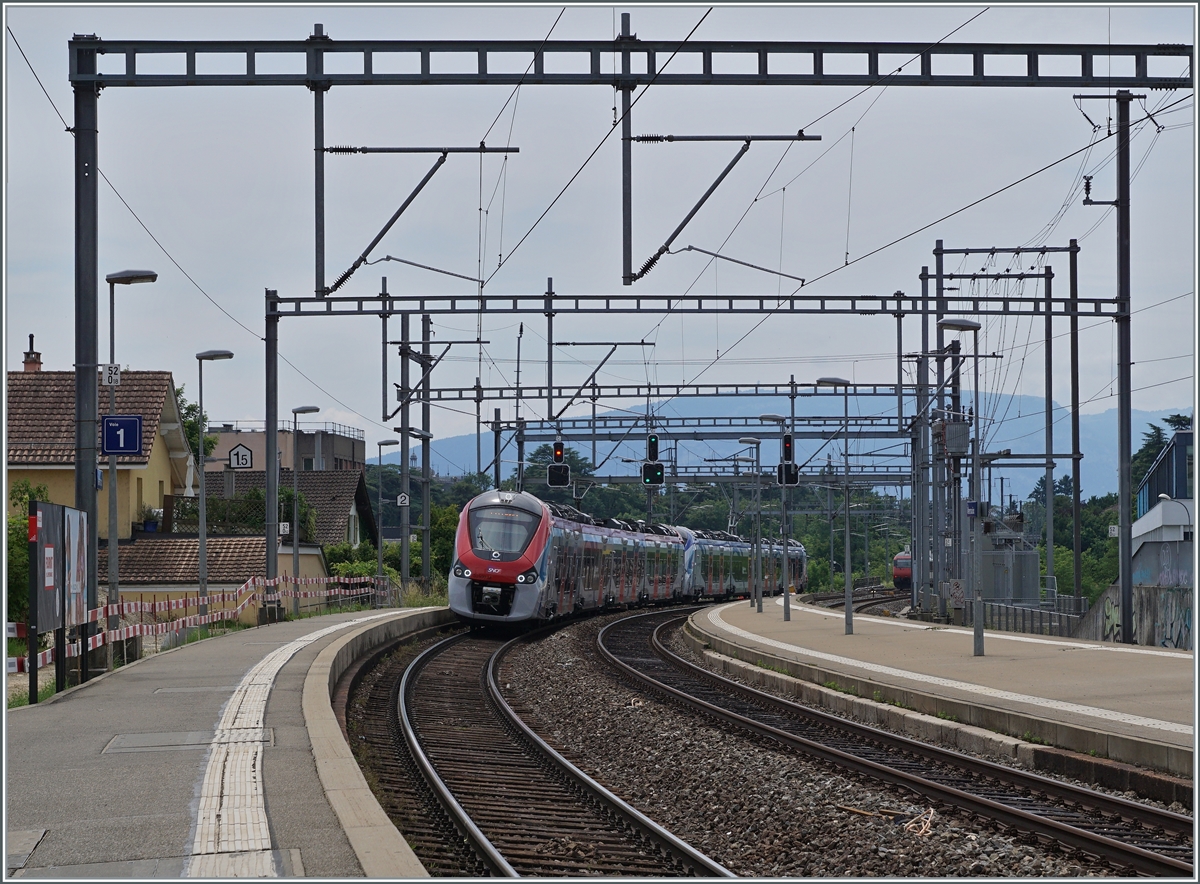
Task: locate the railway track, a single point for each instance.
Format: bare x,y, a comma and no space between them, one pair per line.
520,806
373,731
862,603
1126,834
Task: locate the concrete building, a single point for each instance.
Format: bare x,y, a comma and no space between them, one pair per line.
322,446
1163,535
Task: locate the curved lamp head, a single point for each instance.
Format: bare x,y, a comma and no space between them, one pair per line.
1165,497
957,323
749,440
772,418
832,382
305,409
208,355
386,442
129,277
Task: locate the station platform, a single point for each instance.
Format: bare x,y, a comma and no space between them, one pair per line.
220,758
1113,714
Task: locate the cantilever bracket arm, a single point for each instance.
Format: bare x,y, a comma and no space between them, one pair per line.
592,376
662,250
412,392
341,280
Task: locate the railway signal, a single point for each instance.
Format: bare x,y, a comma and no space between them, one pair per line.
558,475
787,454
787,474
652,473
560,451
652,447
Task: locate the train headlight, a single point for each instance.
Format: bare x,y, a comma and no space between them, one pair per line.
460,570
529,576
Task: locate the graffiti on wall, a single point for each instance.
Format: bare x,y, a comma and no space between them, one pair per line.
1173,624
1111,623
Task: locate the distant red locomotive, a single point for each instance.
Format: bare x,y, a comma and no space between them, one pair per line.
902,570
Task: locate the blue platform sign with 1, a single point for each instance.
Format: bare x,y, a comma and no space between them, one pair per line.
122,434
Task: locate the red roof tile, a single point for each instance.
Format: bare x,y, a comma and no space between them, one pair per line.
176,560
330,492
41,414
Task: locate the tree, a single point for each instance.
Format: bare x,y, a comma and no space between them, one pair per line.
189,413
1038,494
18,546
1178,421
1154,441
1064,486
22,492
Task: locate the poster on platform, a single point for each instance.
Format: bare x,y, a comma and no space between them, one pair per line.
75,568
49,559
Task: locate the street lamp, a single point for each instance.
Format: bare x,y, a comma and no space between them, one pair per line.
783,504
201,358
122,277
303,409
757,443
960,324
381,445
845,384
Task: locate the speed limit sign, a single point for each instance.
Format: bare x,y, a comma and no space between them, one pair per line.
402,500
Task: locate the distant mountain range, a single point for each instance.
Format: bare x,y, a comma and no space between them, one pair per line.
1018,426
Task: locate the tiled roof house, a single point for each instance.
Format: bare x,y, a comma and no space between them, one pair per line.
41,440
340,497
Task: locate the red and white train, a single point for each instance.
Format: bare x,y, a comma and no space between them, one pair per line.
518,559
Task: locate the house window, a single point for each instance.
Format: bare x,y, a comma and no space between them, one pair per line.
139,494
160,493
308,464
352,530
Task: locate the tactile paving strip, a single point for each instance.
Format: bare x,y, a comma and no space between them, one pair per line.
233,838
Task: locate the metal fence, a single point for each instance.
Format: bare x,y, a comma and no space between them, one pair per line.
1020,618
230,516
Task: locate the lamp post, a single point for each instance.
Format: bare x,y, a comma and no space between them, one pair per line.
303,409
960,324
757,443
783,505
201,358
122,277
381,445
845,384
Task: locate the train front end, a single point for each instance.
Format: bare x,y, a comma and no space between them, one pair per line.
500,557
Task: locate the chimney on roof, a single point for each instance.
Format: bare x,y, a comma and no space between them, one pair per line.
33,359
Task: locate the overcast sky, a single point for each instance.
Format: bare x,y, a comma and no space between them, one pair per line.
223,180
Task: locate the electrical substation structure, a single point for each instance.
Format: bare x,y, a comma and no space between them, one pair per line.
652,70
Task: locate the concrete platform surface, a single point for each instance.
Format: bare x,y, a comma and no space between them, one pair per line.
195,762
1127,693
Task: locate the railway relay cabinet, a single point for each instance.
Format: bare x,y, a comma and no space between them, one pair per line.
1011,567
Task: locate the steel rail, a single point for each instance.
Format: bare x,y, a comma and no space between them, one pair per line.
458,815
705,866
1141,860
1150,816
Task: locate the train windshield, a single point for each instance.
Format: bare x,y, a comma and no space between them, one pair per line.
502,529
903,562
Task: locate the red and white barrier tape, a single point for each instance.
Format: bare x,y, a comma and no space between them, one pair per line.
45,658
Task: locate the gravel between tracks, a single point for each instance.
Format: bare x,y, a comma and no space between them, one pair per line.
677,645
757,810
